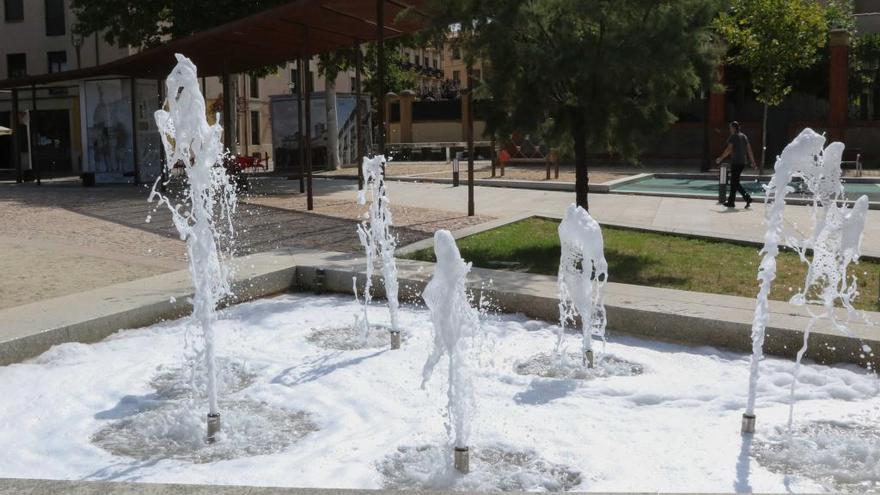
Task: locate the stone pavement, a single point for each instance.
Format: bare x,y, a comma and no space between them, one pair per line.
679,215
62,238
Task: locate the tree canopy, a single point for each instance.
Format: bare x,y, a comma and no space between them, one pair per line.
773,39
146,23
596,72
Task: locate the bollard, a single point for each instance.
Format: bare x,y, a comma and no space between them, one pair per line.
213,426
748,423
462,460
395,339
456,163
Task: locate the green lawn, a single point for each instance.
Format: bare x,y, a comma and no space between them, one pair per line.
656,260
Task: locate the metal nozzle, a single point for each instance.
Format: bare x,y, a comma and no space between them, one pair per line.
462,460
213,426
748,424
588,359
395,339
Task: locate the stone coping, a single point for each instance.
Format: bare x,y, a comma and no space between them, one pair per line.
690,318
15,486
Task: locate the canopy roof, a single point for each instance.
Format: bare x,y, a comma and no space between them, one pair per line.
299,28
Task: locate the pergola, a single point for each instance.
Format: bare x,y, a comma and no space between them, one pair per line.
293,31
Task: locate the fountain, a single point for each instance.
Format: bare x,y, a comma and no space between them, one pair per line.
797,156
189,140
454,321
583,273
374,232
835,244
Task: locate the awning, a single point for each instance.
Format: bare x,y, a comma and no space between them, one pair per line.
272,37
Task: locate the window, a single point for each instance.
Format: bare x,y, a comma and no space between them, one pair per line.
55,24
16,65
255,87
57,61
13,10
456,76
456,53
255,127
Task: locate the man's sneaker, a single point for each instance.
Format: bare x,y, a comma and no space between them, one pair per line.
748,201
730,205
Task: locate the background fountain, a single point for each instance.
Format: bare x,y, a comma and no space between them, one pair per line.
211,200
375,235
454,321
583,273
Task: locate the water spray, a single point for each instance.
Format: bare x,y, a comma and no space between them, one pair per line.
375,235
455,322
583,272
191,142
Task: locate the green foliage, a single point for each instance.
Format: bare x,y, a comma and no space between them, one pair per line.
605,69
775,38
651,259
146,23
397,78
865,63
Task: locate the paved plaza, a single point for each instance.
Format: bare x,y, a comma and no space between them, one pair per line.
62,238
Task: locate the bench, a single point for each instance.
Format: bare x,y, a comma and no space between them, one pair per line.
549,161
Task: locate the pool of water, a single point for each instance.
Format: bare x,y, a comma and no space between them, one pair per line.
709,188
301,410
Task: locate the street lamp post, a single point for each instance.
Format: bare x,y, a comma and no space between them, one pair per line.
76,40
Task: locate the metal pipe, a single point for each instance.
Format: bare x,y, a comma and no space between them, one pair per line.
213,427
395,339
588,359
308,128
299,115
134,143
380,74
16,151
470,137
461,459
359,156
748,423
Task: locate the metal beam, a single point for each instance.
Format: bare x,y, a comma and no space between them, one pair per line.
16,151
134,141
308,128
228,139
380,72
470,139
358,128
300,130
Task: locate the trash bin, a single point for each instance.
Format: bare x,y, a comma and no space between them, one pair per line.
723,181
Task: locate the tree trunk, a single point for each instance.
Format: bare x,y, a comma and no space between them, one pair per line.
763,142
582,179
333,160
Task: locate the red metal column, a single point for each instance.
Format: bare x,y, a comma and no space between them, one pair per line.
838,80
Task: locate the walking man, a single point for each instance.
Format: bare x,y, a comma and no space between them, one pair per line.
740,152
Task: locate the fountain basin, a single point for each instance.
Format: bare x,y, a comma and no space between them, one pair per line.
675,426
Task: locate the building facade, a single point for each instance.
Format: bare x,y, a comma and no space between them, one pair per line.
99,125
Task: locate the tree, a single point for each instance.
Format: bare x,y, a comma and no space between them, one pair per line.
329,66
146,23
773,39
598,73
